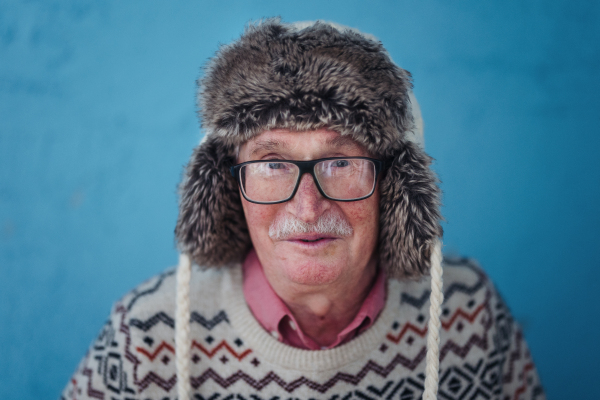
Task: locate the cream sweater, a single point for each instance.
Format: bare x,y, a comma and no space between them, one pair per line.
482,352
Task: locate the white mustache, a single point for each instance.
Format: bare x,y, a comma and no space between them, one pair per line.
327,224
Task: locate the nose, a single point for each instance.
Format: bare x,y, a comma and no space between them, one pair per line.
308,203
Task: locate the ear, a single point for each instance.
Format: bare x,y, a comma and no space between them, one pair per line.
211,226
409,214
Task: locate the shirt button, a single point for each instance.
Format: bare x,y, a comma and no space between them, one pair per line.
292,325
275,334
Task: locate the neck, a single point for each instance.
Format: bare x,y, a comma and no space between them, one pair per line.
324,311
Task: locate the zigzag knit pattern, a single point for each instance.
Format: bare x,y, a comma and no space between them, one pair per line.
482,351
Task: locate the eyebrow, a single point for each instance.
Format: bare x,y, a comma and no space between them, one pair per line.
267,145
341,141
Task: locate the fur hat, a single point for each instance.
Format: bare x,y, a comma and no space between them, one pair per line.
303,78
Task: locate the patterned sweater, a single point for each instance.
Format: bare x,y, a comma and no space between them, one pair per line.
483,354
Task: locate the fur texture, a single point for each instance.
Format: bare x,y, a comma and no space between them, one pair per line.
279,76
211,227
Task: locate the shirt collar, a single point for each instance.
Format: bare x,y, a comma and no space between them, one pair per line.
275,317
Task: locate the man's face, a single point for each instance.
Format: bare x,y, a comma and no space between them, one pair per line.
333,260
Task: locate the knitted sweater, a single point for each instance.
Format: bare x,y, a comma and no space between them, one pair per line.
482,351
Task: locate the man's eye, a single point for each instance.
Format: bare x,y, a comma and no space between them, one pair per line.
274,165
341,163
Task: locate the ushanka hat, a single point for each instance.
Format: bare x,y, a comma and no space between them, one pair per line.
304,77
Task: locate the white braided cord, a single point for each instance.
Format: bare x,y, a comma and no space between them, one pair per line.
433,329
182,328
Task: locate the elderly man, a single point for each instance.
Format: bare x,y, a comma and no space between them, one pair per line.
313,214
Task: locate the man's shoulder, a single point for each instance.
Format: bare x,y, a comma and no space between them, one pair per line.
158,293
135,349
481,347
460,275
471,308
468,291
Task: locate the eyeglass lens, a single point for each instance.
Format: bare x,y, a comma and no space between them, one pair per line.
341,179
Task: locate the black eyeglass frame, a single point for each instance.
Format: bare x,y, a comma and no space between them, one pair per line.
306,167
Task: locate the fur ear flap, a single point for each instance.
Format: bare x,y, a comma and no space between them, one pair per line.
211,227
409,214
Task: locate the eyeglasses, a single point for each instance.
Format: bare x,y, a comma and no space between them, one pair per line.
337,178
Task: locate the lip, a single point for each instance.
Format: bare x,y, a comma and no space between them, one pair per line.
309,236
317,240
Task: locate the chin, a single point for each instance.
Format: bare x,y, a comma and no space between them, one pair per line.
312,272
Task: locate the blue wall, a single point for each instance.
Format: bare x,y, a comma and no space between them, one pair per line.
97,120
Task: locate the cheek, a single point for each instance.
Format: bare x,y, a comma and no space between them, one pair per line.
258,219
364,216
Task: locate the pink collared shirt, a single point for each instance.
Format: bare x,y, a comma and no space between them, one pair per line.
272,313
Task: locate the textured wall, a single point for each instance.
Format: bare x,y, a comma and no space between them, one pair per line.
97,119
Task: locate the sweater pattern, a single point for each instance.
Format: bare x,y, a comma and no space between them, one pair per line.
482,351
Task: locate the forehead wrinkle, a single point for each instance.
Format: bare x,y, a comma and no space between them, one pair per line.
338,142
